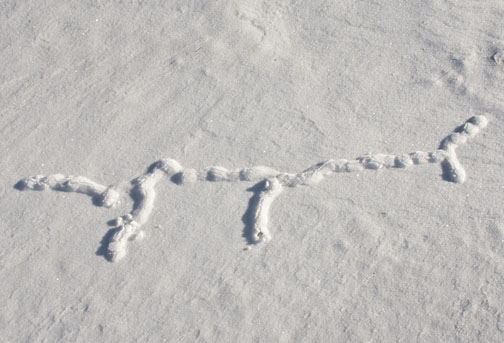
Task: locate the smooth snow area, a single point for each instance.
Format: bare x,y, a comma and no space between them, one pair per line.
307,187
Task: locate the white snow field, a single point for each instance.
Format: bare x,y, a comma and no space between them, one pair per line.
252,171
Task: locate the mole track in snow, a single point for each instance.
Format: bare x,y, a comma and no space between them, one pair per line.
269,183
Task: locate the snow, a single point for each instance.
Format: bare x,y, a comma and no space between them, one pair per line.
236,100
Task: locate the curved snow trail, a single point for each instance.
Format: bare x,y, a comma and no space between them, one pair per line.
142,189
102,195
452,168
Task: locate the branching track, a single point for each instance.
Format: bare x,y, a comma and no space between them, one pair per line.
269,183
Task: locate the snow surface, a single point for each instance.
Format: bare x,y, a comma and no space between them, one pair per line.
102,89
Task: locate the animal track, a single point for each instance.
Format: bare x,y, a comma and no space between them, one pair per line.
269,183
